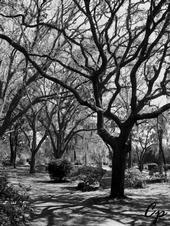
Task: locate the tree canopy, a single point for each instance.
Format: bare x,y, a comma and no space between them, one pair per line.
115,52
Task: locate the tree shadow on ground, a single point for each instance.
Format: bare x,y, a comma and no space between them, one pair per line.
89,209
62,205
52,181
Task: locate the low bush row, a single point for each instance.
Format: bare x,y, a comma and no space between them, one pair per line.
89,178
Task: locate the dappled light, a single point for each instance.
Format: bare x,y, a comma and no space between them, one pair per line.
84,112
63,204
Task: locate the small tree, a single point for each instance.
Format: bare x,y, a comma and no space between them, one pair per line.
13,140
33,120
67,123
161,130
144,139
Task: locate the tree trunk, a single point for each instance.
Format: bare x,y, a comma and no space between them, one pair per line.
14,157
130,160
32,162
33,151
160,132
58,152
13,148
130,151
74,156
118,170
141,165
119,148
56,146
162,159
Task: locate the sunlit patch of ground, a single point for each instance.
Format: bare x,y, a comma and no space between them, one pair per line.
62,205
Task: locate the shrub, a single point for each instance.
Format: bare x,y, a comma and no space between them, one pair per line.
157,178
14,208
153,168
59,169
134,178
90,176
167,167
41,168
21,161
6,162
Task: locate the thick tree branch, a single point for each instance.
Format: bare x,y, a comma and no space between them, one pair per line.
153,114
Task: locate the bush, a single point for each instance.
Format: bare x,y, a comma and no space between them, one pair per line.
21,162
167,167
14,209
89,176
153,168
6,162
156,178
41,168
134,178
59,169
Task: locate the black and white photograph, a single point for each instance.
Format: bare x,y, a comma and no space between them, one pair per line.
84,112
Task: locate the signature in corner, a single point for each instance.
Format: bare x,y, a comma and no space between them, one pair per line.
152,211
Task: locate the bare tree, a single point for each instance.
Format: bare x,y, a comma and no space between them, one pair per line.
104,42
161,131
67,122
14,143
144,138
35,128
17,75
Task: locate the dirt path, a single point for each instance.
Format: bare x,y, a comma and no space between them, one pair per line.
63,205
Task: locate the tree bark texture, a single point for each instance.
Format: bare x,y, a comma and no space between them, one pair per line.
118,171
13,147
33,152
32,163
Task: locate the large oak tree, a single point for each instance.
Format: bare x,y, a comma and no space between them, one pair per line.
108,47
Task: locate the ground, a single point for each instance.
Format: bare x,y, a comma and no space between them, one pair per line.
62,205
